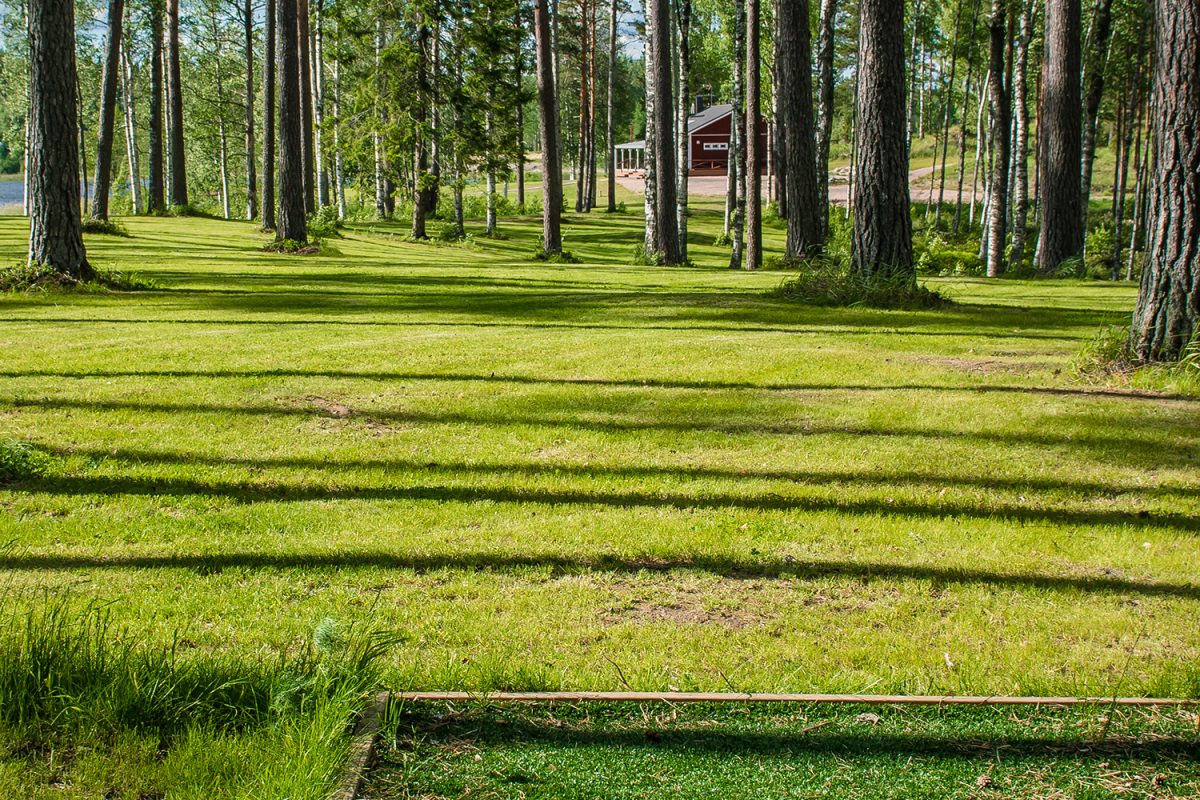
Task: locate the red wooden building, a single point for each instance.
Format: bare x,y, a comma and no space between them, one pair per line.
708,137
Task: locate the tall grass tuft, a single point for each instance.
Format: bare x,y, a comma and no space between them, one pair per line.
69,676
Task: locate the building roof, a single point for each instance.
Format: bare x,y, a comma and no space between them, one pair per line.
709,116
695,122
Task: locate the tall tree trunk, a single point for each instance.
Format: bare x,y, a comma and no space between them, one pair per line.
825,54
1168,309
157,201
55,228
650,169
962,130
683,20
611,121
882,246
339,172
1094,67
997,230
270,76
420,161
1021,143
519,81
108,109
307,156
949,111
581,188
662,108
548,119
754,154
318,72
177,191
292,222
805,206
131,142
381,181
1061,236
251,158
737,158
222,137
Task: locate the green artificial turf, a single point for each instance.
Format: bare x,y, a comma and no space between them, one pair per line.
582,475
581,752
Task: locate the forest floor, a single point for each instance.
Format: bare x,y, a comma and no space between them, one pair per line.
593,475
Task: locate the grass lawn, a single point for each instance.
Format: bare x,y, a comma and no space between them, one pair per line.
590,751
595,475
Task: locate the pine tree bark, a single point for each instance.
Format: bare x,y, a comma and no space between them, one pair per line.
55,228
754,154
108,110
177,191
882,246
548,121
292,223
997,230
1168,311
805,206
661,107
251,158
270,76
825,54
157,200
1059,199
1093,81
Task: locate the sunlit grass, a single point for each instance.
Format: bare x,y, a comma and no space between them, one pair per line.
544,474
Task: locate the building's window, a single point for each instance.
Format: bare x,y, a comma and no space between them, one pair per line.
719,146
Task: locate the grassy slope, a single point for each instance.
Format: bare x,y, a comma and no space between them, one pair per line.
545,473
583,752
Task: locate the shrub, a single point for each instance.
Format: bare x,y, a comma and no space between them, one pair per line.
106,227
1107,353
20,461
324,224
827,282
39,277
292,248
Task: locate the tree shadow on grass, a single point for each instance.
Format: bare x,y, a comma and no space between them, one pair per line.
1094,434
557,469
622,383
840,736
276,492
724,566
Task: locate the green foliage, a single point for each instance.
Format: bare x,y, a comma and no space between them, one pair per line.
1101,241
105,227
723,239
1106,353
69,678
935,256
324,224
646,258
41,278
828,282
292,247
20,461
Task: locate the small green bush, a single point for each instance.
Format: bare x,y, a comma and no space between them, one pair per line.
39,277
20,462
106,227
827,282
324,224
292,247
1107,353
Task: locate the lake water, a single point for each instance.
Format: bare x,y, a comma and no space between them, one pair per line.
12,196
